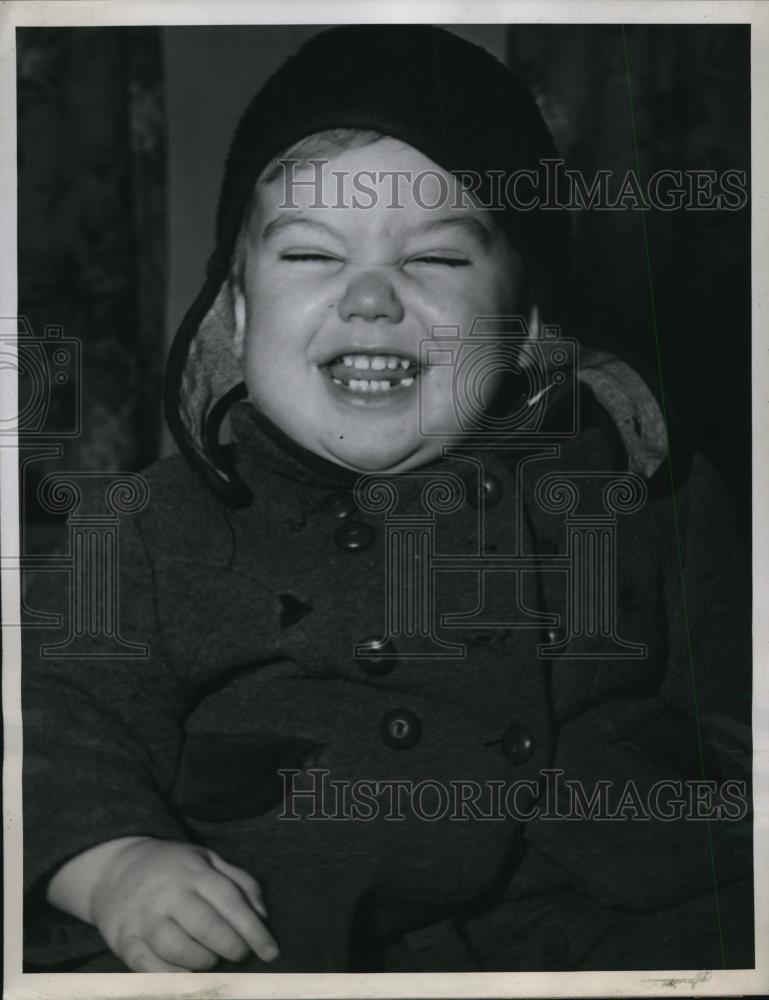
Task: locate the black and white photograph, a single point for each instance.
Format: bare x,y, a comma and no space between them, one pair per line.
384,499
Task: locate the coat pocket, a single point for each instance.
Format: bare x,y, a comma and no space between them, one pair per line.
225,777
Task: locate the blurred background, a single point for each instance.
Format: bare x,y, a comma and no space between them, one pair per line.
121,139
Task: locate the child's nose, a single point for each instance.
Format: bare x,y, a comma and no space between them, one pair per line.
370,296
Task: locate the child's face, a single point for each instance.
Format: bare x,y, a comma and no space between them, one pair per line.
338,295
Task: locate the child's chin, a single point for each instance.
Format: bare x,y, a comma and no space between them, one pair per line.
382,457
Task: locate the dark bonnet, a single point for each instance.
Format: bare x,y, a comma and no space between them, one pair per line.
444,96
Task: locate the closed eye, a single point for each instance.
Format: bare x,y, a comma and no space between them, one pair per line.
308,256
437,259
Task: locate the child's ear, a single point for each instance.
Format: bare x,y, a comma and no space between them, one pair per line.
239,313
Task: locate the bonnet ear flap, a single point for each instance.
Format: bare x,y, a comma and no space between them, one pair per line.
633,407
203,380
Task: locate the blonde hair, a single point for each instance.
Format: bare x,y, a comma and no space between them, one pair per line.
333,140
313,146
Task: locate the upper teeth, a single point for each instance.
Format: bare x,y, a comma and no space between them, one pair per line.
378,361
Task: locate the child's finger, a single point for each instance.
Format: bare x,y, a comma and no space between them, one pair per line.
171,943
231,904
206,925
139,957
244,880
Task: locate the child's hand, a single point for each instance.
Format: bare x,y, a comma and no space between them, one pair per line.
173,907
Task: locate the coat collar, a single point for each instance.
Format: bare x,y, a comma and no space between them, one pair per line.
261,451
261,446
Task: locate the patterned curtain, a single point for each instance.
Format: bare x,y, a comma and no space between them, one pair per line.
91,249
690,89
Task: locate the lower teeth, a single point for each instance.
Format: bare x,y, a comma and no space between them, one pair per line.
366,385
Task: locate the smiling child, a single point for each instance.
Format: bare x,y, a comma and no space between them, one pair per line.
333,299
188,832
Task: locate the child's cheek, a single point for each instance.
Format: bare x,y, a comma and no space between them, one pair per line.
438,413
275,296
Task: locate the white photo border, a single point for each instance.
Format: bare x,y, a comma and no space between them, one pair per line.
41,13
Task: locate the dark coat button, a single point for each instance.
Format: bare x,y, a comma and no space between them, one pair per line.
354,536
489,492
517,744
375,657
339,504
400,729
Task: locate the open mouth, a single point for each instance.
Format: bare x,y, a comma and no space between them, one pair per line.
373,373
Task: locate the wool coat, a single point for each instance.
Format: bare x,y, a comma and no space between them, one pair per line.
271,634
429,629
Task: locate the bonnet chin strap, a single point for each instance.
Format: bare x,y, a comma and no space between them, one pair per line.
232,488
